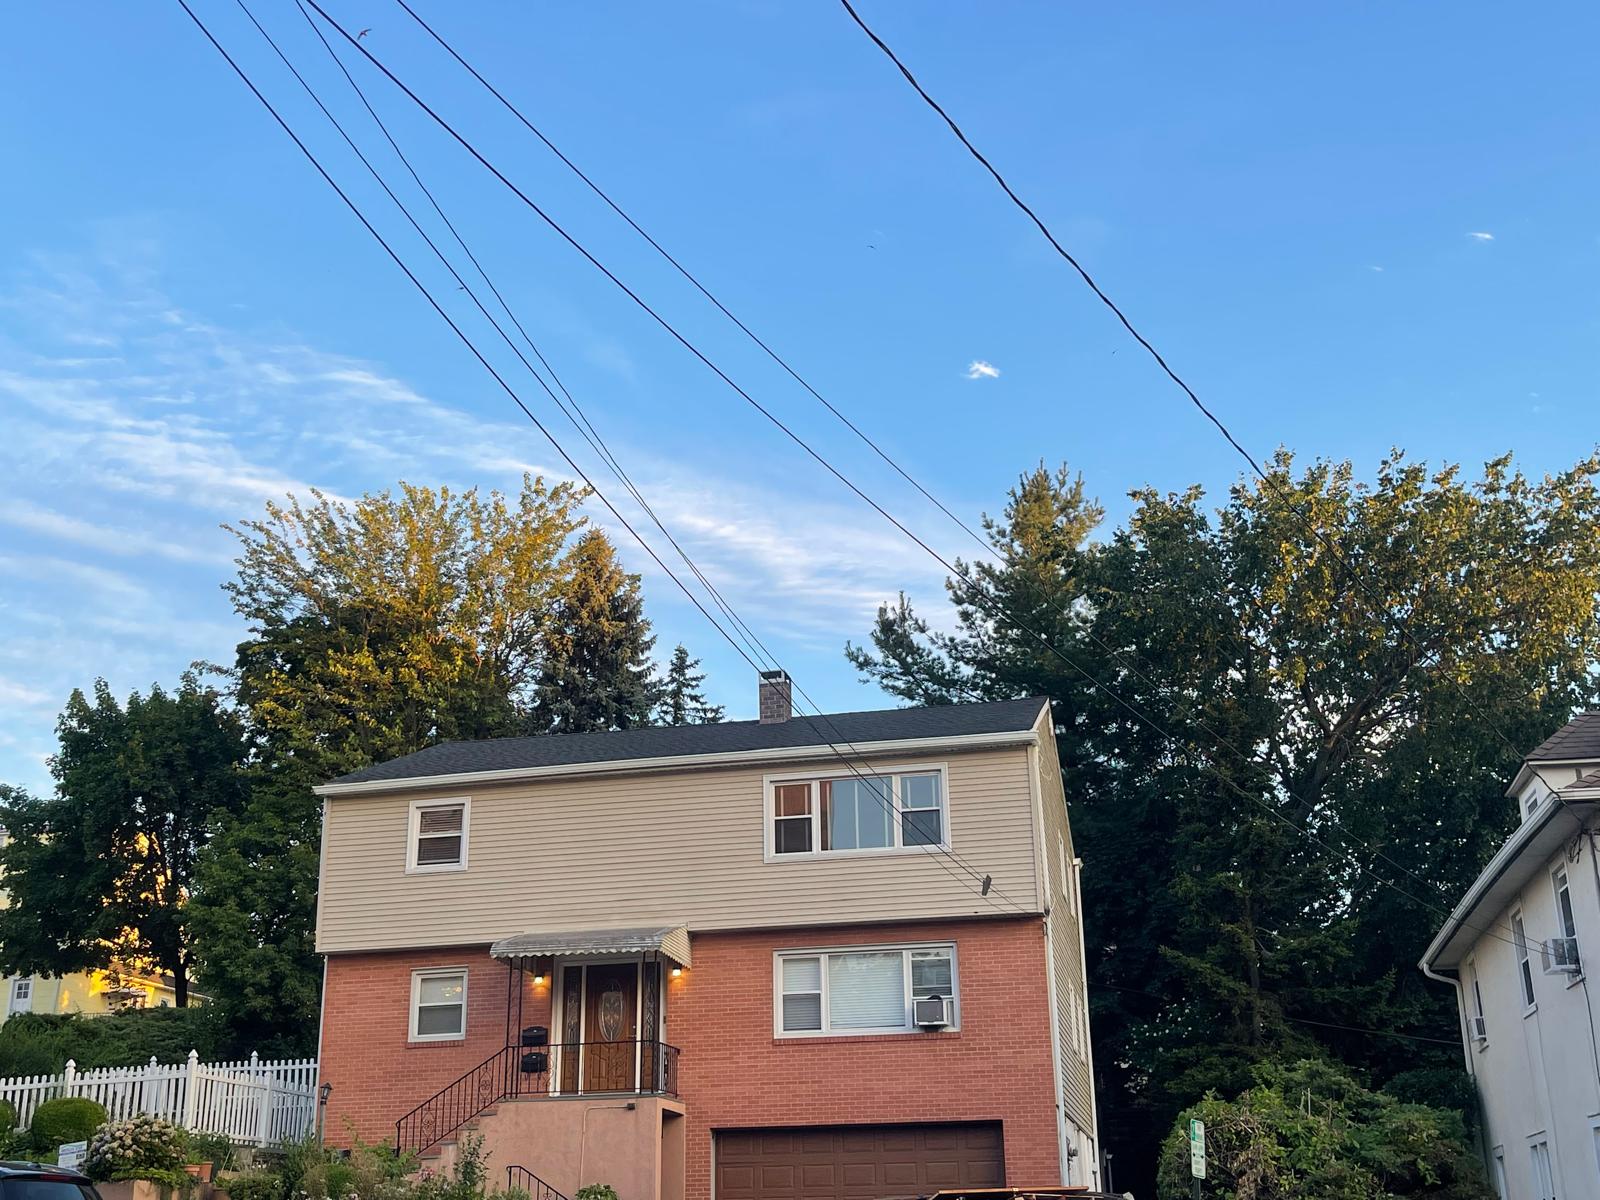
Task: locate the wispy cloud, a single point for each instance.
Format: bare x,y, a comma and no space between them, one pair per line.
1481,236
978,369
1378,269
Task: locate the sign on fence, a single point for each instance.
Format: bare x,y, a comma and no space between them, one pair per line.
253,1102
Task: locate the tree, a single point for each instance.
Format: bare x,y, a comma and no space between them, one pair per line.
597,669
1242,721
377,628
682,701
1309,1131
100,873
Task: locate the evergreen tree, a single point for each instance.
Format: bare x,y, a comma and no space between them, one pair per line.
682,701
1223,910
597,673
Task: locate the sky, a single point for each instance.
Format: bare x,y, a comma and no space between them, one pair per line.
1349,227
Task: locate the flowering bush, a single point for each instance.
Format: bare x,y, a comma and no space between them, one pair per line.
141,1147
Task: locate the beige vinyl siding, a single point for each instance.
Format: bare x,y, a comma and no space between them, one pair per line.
1066,939
666,847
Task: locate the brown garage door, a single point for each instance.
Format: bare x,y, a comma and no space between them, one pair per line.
857,1162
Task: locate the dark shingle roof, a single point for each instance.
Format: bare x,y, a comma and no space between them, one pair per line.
728,737
1578,739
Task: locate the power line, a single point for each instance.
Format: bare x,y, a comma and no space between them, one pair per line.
1188,391
934,852
1183,710
814,454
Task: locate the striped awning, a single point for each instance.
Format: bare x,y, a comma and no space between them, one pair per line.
670,940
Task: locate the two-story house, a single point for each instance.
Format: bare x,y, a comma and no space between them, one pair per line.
1516,950
789,958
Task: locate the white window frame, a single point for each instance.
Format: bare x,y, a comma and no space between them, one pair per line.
1525,988
414,830
1477,1005
1561,883
770,784
1501,1184
821,953
24,985
417,978
1542,1167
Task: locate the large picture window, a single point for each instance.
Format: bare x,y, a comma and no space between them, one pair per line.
860,991
843,814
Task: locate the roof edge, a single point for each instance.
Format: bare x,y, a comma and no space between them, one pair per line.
621,766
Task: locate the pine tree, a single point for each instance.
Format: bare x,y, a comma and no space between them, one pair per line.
597,673
682,701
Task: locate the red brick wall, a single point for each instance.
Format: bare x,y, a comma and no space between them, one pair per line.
376,1073
733,1072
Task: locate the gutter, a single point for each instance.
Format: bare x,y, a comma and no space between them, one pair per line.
856,751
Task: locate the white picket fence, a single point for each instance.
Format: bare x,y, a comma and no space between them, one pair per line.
254,1102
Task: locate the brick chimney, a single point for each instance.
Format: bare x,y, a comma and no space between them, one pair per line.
774,694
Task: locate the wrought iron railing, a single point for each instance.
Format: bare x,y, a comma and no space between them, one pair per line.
637,1068
523,1180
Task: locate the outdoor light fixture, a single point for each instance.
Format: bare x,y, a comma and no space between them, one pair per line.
676,972
538,980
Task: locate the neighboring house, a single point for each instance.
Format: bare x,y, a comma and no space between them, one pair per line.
91,992
1515,950
833,956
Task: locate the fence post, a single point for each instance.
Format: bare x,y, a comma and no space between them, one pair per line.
146,1086
264,1120
69,1077
191,1090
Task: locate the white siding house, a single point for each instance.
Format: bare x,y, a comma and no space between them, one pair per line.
1515,950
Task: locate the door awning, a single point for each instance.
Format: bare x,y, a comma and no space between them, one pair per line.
670,940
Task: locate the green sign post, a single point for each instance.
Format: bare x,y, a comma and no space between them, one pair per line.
1197,1154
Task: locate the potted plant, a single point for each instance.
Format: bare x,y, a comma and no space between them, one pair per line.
145,1153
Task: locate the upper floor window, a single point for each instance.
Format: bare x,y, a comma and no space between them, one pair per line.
438,836
1524,967
21,995
1566,924
1480,1028
438,1005
861,991
837,814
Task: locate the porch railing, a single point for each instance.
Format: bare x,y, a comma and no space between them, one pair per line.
629,1068
523,1180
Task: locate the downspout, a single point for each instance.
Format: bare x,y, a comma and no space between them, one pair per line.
1088,1031
1484,1147
1583,980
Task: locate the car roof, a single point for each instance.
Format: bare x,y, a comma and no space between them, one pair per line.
12,1168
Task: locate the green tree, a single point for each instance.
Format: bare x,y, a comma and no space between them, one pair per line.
1305,731
597,670
100,873
1309,1131
682,700
376,628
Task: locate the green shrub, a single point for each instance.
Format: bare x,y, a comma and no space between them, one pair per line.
41,1043
64,1119
211,1148
8,1118
254,1185
597,1191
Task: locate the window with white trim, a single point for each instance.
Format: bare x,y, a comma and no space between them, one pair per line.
1544,1180
843,992
1524,966
1480,1029
21,995
1501,1188
843,814
1564,917
437,839
439,1005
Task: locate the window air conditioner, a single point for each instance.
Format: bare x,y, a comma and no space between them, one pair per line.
931,1012
1559,956
1480,1029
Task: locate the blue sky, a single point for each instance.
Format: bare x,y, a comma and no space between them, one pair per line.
1349,226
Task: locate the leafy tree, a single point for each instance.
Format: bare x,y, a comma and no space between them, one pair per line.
377,628
682,701
100,873
1262,723
1310,1132
597,669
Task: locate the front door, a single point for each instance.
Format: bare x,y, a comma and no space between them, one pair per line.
611,1027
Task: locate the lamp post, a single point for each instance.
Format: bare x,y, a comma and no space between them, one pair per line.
323,1093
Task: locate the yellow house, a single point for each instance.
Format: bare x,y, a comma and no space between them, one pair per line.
92,992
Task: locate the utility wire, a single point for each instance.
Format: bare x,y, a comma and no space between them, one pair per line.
1188,391
934,852
813,453
1183,709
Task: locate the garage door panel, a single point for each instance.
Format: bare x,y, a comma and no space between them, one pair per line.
856,1162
